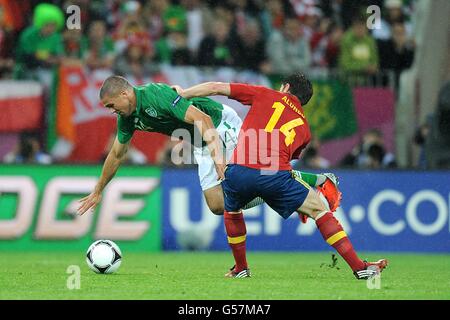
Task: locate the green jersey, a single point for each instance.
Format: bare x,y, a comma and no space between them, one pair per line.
160,109
31,42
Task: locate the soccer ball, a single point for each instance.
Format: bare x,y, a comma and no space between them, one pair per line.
104,256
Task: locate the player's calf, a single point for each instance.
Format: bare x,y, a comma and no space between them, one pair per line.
236,235
331,230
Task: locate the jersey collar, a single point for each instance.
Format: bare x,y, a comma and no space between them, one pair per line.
138,94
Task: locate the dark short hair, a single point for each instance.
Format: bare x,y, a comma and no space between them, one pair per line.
114,85
299,86
376,152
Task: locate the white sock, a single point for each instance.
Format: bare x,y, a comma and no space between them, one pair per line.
320,179
320,215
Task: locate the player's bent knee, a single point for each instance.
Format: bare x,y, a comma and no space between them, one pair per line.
217,209
216,206
214,199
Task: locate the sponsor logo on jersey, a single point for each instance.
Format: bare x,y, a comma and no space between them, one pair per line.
151,112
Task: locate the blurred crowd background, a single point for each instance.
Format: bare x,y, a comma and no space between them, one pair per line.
138,39
271,37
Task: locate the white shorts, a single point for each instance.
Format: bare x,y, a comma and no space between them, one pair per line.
228,130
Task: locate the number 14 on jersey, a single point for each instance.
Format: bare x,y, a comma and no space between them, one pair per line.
288,128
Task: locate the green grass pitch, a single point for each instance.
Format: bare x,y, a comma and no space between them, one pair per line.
278,276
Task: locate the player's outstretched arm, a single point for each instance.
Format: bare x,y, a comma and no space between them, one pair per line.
204,89
210,135
115,157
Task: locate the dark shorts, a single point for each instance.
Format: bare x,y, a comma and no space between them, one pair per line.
280,190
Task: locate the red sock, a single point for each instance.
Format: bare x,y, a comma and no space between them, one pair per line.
334,235
236,232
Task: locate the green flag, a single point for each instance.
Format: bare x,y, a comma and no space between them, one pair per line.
330,112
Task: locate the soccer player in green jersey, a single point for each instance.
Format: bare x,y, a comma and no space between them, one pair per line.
212,128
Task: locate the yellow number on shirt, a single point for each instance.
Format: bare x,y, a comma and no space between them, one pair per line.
288,128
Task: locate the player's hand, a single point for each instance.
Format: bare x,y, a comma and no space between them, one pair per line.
178,89
220,168
89,202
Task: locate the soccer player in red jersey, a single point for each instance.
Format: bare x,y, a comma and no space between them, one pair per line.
274,132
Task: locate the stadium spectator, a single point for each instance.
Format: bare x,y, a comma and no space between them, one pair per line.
242,12
249,49
394,14
344,11
101,11
311,158
28,150
396,53
374,158
110,11
131,26
332,10
198,17
73,46
153,14
319,31
358,55
215,49
303,7
15,14
313,21
161,14
6,46
325,44
99,47
40,45
272,17
334,38
175,18
131,9
224,11
173,47
288,51
370,153
134,62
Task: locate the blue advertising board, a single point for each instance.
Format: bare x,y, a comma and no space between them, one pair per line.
381,211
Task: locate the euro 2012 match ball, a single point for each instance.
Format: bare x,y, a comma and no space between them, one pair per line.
104,256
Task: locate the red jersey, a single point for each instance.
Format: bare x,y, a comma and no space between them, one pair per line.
275,130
